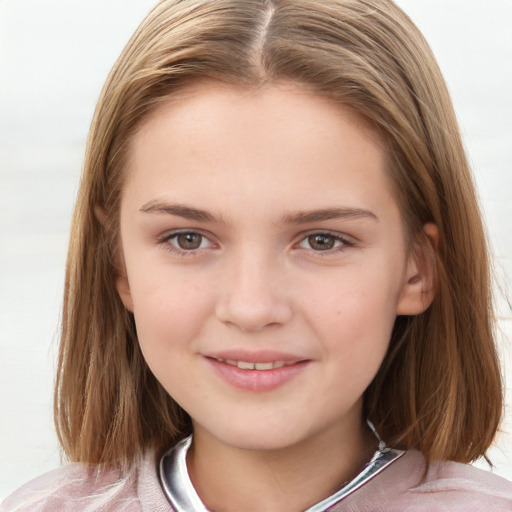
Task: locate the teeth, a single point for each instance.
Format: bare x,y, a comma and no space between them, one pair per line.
243,365
246,365
264,366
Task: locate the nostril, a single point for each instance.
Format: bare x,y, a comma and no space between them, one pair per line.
251,296
253,319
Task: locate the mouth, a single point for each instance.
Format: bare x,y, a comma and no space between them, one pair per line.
248,365
257,372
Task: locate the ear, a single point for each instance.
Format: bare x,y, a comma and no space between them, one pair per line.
121,281
123,288
420,286
101,215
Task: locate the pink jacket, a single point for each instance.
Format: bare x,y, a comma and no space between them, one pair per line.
401,487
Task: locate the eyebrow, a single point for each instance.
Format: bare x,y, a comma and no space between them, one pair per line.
187,212
301,217
306,217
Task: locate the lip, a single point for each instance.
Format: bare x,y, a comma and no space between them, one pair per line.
259,356
289,366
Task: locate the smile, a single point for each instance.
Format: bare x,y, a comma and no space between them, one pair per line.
247,365
264,373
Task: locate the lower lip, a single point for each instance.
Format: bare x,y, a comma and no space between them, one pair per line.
257,380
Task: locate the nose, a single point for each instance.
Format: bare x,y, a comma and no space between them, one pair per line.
254,294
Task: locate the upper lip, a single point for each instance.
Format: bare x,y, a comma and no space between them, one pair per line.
256,356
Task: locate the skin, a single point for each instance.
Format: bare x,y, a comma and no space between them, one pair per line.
240,173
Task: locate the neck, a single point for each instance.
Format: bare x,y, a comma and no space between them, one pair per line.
229,478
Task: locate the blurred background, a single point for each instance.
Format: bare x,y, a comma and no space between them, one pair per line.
54,58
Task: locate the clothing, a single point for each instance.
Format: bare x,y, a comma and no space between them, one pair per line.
400,487
183,497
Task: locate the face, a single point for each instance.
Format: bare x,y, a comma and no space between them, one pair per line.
265,261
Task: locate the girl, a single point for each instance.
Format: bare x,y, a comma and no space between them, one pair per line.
277,292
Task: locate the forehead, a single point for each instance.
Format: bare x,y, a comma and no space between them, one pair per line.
204,103
267,145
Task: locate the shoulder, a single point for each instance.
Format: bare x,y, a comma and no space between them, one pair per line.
455,483
80,487
404,486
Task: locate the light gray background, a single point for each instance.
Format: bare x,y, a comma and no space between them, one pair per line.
54,57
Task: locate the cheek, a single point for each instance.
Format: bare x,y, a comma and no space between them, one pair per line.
355,316
358,298
170,316
169,309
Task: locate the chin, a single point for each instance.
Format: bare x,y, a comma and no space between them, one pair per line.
258,436
269,442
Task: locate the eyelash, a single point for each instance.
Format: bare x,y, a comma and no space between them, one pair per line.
166,242
344,242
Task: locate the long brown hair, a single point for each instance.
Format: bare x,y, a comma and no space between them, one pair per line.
438,389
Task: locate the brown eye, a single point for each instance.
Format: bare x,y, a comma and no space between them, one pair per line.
325,242
321,242
187,241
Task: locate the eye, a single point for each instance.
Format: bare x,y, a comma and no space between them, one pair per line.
323,242
187,241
